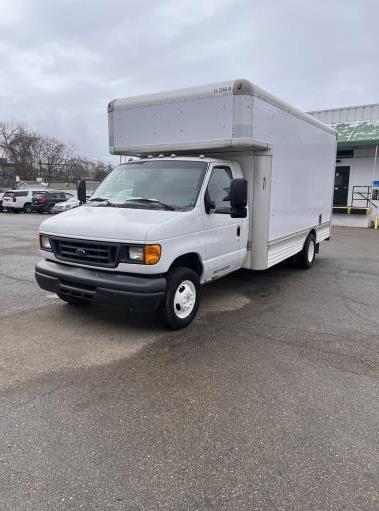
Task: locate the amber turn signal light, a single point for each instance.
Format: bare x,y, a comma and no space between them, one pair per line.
152,254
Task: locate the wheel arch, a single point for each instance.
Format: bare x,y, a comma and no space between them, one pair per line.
313,231
317,245
189,260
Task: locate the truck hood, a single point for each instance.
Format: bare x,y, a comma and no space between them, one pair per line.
106,223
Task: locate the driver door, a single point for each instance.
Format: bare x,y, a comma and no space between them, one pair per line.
222,232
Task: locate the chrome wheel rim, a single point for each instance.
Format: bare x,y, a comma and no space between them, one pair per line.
311,251
184,299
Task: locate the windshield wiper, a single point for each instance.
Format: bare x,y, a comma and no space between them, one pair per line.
151,201
107,202
101,199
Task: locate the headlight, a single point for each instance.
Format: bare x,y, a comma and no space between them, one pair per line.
44,243
141,254
136,254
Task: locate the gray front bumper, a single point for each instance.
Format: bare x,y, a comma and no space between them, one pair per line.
134,293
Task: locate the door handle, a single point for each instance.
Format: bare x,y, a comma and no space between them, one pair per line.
238,231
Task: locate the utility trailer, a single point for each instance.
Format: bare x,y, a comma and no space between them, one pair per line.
218,178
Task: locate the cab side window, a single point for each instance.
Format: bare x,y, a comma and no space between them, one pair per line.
218,189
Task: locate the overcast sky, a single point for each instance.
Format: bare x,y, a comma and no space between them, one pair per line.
61,61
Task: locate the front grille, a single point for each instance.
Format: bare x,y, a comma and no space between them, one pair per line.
95,253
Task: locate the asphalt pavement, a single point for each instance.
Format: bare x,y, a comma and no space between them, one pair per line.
268,401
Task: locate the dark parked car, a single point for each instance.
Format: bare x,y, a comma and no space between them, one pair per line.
44,202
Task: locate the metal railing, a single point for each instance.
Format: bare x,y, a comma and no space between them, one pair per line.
362,193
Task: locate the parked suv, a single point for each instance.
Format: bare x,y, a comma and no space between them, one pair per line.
45,201
19,200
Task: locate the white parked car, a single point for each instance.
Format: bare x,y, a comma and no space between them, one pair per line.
1,200
20,200
71,203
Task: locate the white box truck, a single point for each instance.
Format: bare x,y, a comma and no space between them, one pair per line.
217,178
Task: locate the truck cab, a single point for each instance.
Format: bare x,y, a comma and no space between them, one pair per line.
154,230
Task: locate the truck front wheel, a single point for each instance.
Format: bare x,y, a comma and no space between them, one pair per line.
181,301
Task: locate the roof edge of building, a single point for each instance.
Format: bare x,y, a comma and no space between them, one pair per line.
368,105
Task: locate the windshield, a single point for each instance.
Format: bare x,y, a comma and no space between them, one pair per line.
153,183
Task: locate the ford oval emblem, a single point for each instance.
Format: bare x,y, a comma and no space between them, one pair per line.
80,252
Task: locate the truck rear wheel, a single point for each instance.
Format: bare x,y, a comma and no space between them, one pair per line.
306,257
182,298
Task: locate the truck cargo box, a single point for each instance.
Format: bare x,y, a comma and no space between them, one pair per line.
234,114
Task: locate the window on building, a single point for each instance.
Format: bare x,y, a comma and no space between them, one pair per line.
345,153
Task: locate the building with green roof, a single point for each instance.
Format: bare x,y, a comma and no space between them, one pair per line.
356,187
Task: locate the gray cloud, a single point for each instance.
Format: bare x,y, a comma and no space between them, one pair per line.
62,61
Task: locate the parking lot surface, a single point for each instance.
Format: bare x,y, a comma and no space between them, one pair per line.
268,401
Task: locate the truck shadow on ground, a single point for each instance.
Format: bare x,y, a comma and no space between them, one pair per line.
226,295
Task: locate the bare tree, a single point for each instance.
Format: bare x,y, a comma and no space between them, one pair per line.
101,170
53,158
36,155
18,145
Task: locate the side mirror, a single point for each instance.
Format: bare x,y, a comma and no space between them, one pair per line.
238,198
82,191
238,193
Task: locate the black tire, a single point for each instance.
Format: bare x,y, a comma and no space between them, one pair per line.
27,208
170,311
72,300
306,257
50,209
